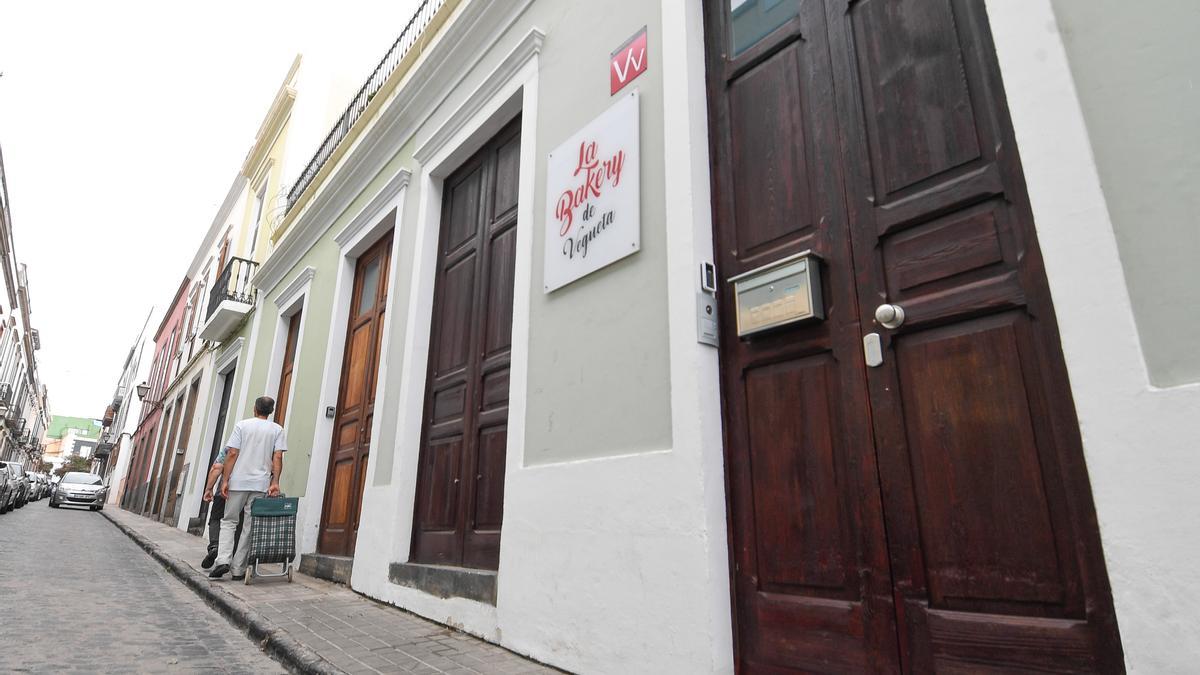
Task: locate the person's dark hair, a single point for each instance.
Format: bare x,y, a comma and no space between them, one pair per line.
264,405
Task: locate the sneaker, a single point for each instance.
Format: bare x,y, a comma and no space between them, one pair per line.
238,577
218,571
208,560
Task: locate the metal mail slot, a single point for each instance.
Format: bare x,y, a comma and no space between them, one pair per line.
783,292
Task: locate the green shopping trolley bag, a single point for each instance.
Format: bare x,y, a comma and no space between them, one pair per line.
272,536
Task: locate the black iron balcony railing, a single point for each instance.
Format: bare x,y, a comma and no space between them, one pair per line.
233,284
358,105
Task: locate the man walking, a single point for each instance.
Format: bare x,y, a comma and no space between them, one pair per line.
253,463
216,510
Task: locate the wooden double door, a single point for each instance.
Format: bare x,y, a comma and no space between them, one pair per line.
351,443
464,439
922,507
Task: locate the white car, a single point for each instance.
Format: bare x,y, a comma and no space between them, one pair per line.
80,489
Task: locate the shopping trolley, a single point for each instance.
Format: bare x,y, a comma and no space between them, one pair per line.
272,536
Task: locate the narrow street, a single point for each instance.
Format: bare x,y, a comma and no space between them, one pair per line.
639,337
79,596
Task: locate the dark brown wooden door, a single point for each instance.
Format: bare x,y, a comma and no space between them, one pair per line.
811,582
877,134
166,453
460,490
185,430
356,401
219,428
285,374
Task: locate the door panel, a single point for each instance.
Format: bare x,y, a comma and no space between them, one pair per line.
442,479
170,442
916,102
460,488
795,474
809,561
464,208
501,265
454,333
875,133
990,519
177,468
285,373
770,186
218,440
981,505
351,441
338,515
489,492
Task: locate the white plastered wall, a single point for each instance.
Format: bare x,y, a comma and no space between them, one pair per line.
628,571
1139,441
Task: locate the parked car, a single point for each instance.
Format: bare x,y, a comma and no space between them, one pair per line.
43,485
19,478
80,489
6,489
35,486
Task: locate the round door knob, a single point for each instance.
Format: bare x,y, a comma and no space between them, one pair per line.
889,316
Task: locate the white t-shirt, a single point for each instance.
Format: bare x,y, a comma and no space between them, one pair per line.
256,441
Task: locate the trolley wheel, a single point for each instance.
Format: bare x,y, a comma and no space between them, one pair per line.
248,575
289,574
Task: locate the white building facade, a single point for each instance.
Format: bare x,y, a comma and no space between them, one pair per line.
24,400
669,337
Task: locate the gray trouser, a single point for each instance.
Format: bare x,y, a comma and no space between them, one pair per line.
216,511
237,504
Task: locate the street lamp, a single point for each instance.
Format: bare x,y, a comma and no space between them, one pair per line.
142,390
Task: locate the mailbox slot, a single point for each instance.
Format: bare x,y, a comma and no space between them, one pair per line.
780,293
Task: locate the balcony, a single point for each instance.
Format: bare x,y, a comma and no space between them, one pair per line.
421,19
14,421
231,299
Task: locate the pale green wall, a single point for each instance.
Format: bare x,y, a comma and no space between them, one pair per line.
402,255
1135,69
304,407
599,381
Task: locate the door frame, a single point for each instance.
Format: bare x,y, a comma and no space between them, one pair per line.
291,300
510,91
224,366
365,230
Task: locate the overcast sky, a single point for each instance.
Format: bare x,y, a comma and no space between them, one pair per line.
123,125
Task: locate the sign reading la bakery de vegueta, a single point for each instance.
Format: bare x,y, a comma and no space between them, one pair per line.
593,210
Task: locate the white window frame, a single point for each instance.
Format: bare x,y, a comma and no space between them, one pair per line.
292,299
260,204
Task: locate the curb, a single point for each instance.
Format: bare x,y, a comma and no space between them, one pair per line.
275,641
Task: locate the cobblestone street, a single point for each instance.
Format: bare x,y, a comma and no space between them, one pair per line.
78,596
349,633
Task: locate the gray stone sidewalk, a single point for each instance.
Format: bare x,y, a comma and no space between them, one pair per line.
316,626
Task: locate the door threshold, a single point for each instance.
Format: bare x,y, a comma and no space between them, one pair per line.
335,568
445,581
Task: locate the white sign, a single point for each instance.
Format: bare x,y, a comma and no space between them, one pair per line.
593,196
